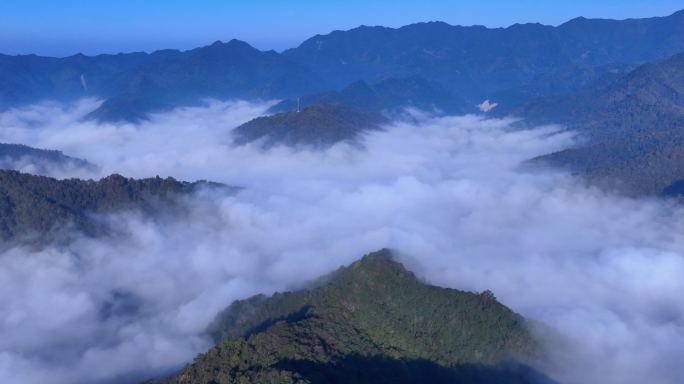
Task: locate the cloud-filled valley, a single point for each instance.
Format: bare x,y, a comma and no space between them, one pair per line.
450,194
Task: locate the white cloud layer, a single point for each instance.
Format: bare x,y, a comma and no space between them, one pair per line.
448,193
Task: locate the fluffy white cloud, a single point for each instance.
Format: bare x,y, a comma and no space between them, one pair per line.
448,193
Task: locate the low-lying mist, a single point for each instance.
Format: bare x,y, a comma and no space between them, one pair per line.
449,194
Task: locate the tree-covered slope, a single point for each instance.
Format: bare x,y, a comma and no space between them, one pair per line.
32,204
375,322
315,125
387,95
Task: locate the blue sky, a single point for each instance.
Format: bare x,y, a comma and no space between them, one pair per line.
66,27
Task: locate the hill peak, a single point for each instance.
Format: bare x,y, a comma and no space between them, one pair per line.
372,322
319,125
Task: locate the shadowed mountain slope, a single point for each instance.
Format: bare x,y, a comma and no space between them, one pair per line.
387,95
472,61
374,322
317,125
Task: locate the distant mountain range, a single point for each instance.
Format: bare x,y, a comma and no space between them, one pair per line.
470,62
222,71
130,107
475,61
370,322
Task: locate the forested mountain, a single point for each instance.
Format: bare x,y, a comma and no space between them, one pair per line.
387,95
32,204
374,323
472,61
41,161
634,124
318,125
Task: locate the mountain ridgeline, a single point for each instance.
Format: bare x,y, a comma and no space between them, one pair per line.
474,61
371,322
221,70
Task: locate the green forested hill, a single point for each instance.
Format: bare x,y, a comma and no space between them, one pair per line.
374,323
32,204
315,125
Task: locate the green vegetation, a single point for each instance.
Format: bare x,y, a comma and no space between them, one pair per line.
315,125
38,204
387,95
372,322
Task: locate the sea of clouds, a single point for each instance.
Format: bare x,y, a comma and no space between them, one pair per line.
450,194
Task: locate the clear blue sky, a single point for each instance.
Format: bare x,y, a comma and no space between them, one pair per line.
66,27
